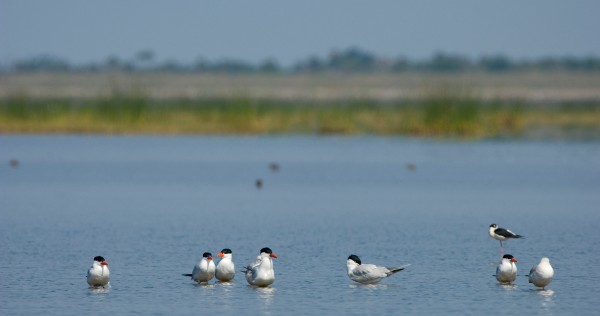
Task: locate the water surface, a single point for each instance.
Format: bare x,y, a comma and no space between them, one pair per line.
152,205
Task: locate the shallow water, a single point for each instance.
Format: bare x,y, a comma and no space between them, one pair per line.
152,205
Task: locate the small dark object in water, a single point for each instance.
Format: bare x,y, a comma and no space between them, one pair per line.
411,166
259,183
14,163
274,166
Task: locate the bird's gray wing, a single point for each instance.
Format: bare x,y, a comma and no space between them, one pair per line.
368,272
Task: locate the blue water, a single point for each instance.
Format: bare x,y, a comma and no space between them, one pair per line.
152,205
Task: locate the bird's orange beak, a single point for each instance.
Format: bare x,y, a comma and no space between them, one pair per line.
104,263
273,255
220,254
513,259
209,257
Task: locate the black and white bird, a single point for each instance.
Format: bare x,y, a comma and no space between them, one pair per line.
225,268
369,273
502,234
204,270
98,274
506,272
541,274
261,272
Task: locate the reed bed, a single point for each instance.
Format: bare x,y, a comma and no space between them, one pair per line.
442,113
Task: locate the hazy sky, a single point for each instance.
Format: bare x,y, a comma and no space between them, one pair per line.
183,30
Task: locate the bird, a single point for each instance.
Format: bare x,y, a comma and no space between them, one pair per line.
502,234
204,271
541,274
98,274
225,268
13,163
506,272
369,273
261,273
274,166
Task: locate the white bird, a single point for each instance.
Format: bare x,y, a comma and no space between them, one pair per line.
502,234
368,273
541,274
204,271
98,274
506,272
225,269
261,273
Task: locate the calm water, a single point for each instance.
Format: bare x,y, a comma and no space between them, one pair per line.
152,205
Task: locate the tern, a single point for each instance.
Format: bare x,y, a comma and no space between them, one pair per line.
98,274
541,274
204,271
261,273
369,273
502,234
506,272
225,269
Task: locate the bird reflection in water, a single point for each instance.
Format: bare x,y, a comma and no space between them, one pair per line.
547,301
204,285
266,294
99,289
371,287
508,286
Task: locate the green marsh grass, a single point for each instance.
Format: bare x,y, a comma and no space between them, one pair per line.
441,114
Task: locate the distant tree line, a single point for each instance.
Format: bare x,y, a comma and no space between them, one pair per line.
349,60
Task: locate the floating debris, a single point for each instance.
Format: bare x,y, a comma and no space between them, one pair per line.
411,166
259,183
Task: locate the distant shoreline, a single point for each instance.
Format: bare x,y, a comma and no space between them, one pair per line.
530,87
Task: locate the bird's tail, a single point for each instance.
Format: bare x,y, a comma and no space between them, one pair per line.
397,269
187,274
519,236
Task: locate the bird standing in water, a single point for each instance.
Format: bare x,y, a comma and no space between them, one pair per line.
225,268
261,272
98,274
541,274
506,272
204,271
502,234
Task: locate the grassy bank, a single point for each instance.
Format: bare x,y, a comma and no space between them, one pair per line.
440,115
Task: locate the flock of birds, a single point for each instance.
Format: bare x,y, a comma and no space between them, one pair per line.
540,275
260,273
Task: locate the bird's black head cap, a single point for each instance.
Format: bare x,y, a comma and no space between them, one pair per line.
493,225
507,256
266,250
226,250
354,258
99,258
206,255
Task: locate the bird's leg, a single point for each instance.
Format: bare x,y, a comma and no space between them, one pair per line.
501,250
